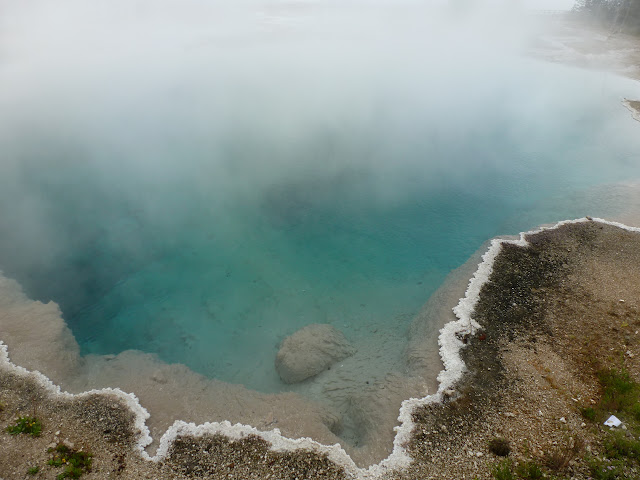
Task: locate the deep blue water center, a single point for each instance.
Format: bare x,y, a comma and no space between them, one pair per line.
209,248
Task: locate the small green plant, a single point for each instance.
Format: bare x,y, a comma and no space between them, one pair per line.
619,391
589,413
529,471
503,471
559,459
29,425
606,470
619,446
75,463
33,470
500,447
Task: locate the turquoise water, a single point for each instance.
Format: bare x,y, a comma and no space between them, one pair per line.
210,240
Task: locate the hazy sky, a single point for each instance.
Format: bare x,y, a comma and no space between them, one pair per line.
550,4
538,4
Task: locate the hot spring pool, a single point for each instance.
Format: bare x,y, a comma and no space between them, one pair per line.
205,211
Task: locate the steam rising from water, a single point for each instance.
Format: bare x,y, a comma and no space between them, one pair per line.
199,179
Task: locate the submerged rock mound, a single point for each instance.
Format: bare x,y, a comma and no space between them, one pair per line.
311,350
634,107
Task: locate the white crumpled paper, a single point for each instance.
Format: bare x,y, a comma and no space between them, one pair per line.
613,421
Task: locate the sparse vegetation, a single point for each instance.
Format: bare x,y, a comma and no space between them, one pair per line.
619,391
529,471
75,463
503,471
33,470
559,459
589,413
618,445
28,425
620,395
606,469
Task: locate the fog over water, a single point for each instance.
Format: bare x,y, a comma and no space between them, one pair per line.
200,179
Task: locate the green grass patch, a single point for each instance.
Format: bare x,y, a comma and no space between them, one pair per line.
620,395
607,470
28,425
621,455
618,445
75,463
589,413
620,392
33,470
529,471
503,471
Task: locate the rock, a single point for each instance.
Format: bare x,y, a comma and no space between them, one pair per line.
310,351
448,393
